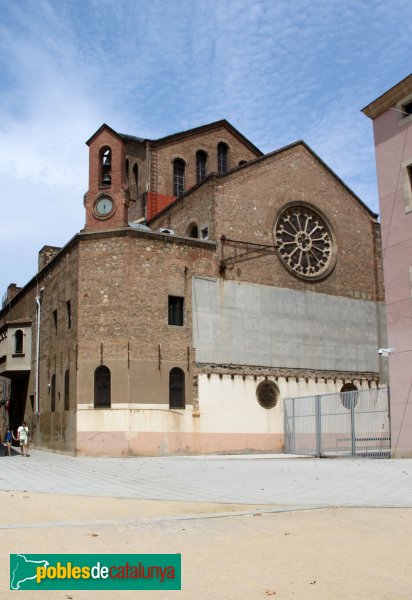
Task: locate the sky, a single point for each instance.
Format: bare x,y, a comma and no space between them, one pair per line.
278,70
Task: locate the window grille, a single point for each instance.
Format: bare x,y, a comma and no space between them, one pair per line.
178,178
176,310
201,160
267,394
102,387
177,388
222,154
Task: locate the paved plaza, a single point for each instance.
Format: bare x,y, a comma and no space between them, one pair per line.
247,527
262,479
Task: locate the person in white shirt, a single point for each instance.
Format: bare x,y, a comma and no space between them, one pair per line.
23,437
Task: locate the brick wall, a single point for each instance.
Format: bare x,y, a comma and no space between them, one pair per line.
196,208
249,201
46,254
162,157
124,283
244,205
57,350
117,189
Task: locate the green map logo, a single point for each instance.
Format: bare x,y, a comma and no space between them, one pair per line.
95,571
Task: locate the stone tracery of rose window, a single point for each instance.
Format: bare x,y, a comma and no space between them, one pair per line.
305,242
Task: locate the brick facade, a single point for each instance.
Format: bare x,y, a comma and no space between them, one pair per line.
262,189
105,295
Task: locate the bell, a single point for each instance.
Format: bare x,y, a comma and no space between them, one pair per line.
107,180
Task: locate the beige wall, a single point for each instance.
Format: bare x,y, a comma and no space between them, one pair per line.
228,419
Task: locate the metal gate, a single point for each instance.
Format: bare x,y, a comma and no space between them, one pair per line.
352,423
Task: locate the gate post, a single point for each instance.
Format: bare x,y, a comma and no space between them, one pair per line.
318,426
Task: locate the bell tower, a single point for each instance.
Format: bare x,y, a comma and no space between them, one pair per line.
107,199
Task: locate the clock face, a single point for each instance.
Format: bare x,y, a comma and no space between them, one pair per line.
104,206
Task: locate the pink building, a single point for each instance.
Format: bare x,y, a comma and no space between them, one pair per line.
392,125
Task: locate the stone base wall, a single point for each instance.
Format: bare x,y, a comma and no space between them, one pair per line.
154,443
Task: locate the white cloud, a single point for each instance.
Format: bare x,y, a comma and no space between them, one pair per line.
278,71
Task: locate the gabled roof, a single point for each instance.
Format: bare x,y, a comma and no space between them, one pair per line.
202,128
389,98
181,135
261,159
102,128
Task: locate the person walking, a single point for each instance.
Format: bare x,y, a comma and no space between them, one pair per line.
23,437
8,440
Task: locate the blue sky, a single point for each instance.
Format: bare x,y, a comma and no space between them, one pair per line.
277,70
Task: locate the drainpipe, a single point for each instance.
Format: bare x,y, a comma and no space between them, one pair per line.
147,179
38,314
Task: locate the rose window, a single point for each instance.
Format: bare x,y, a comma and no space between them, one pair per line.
305,242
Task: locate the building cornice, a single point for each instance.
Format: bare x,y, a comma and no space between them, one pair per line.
389,98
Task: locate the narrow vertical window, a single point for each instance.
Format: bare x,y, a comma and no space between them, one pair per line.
66,390
102,387
126,174
18,342
222,157
55,321
176,310
177,388
69,314
178,178
105,167
201,160
53,393
136,180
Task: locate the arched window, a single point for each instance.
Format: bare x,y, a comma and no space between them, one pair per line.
136,179
201,160
66,390
177,388
18,342
105,166
222,156
242,162
178,178
53,393
193,231
102,387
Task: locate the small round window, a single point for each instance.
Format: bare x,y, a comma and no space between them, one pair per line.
349,395
267,394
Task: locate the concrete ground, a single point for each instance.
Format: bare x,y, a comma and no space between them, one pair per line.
247,526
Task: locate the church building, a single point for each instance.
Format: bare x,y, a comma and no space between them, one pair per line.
210,282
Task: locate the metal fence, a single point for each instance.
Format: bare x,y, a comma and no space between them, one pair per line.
352,423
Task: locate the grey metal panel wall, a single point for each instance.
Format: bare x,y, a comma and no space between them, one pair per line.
252,324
